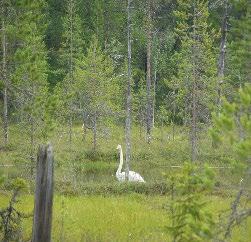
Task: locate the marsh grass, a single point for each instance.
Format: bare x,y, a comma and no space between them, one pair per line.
80,161
90,205
131,217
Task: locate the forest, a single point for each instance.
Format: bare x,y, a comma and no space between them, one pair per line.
125,120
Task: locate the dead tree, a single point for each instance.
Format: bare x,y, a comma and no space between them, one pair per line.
148,75
128,94
4,74
222,56
42,219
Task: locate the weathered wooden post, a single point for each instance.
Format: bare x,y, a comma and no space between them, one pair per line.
42,220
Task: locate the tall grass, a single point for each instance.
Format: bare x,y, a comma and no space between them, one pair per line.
131,217
151,161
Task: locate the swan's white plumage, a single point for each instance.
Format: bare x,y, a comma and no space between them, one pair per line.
133,176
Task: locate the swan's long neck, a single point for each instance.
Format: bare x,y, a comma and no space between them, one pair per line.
120,161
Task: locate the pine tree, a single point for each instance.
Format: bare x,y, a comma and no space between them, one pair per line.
227,125
196,65
190,219
6,8
96,86
30,76
72,49
240,44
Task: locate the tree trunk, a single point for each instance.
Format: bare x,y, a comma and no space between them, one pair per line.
4,76
32,140
221,61
84,131
154,93
194,125
148,76
95,132
32,144
156,56
42,219
194,98
71,70
128,94
174,114
70,131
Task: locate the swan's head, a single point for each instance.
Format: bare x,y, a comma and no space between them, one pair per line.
119,147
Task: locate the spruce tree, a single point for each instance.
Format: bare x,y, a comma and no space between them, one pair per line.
196,65
30,76
240,44
5,16
234,116
71,51
96,86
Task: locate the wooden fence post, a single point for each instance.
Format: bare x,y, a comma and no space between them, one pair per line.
42,220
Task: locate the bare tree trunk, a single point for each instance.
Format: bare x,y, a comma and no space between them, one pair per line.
154,93
156,56
128,94
32,140
174,114
148,76
32,144
106,24
84,130
71,69
194,99
70,131
4,75
194,124
221,62
42,219
95,132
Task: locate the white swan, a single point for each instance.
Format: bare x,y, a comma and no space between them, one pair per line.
133,176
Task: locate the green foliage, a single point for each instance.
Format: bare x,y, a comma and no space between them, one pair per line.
240,43
19,185
190,220
10,217
234,123
72,42
30,74
96,79
195,77
97,87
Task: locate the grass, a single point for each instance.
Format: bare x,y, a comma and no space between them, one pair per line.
150,161
96,218
90,205
131,217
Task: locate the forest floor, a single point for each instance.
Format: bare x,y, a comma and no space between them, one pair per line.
90,205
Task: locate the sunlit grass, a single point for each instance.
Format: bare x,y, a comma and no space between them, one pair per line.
131,217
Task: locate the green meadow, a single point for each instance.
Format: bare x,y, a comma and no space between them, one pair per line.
91,205
131,217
